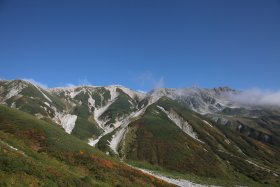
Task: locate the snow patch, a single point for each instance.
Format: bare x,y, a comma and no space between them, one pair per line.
67,121
91,102
13,105
12,93
14,89
113,91
92,142
46,103
73,93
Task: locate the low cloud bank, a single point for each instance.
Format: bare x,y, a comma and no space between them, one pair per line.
257,97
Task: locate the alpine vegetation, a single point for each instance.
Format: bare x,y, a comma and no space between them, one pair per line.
191,136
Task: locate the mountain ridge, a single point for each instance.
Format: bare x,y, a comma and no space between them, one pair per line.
195,124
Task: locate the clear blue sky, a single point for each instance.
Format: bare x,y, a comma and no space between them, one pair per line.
142,44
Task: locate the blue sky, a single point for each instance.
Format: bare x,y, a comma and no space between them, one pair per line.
142,44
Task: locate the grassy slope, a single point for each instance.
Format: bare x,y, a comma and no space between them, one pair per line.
160,142
156,141
32,100
47,156
85,129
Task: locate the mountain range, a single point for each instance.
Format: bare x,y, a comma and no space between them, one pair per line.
97,135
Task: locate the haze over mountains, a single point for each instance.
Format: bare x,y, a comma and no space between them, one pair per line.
215,136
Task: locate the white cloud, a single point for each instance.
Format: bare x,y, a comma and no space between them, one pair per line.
257,97
159,83
84,82
70,85
32,81
148,80
142,91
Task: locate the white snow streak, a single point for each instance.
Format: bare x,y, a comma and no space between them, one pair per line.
181,123
130,102
93,142
178,182
253,163
119,135
206,122
99,111
91,102
12,148
43,93
116,139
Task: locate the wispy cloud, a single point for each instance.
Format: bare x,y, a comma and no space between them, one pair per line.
84,82
141,91
257,97
159,83
70,85
148,80
32,81
81,82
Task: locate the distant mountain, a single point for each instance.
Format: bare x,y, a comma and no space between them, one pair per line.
199,134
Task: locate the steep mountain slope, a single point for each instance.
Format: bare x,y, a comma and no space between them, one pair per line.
37,153
193,133
175,138
37,101
106,107
85,111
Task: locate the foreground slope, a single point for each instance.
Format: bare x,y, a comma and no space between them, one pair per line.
38,153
